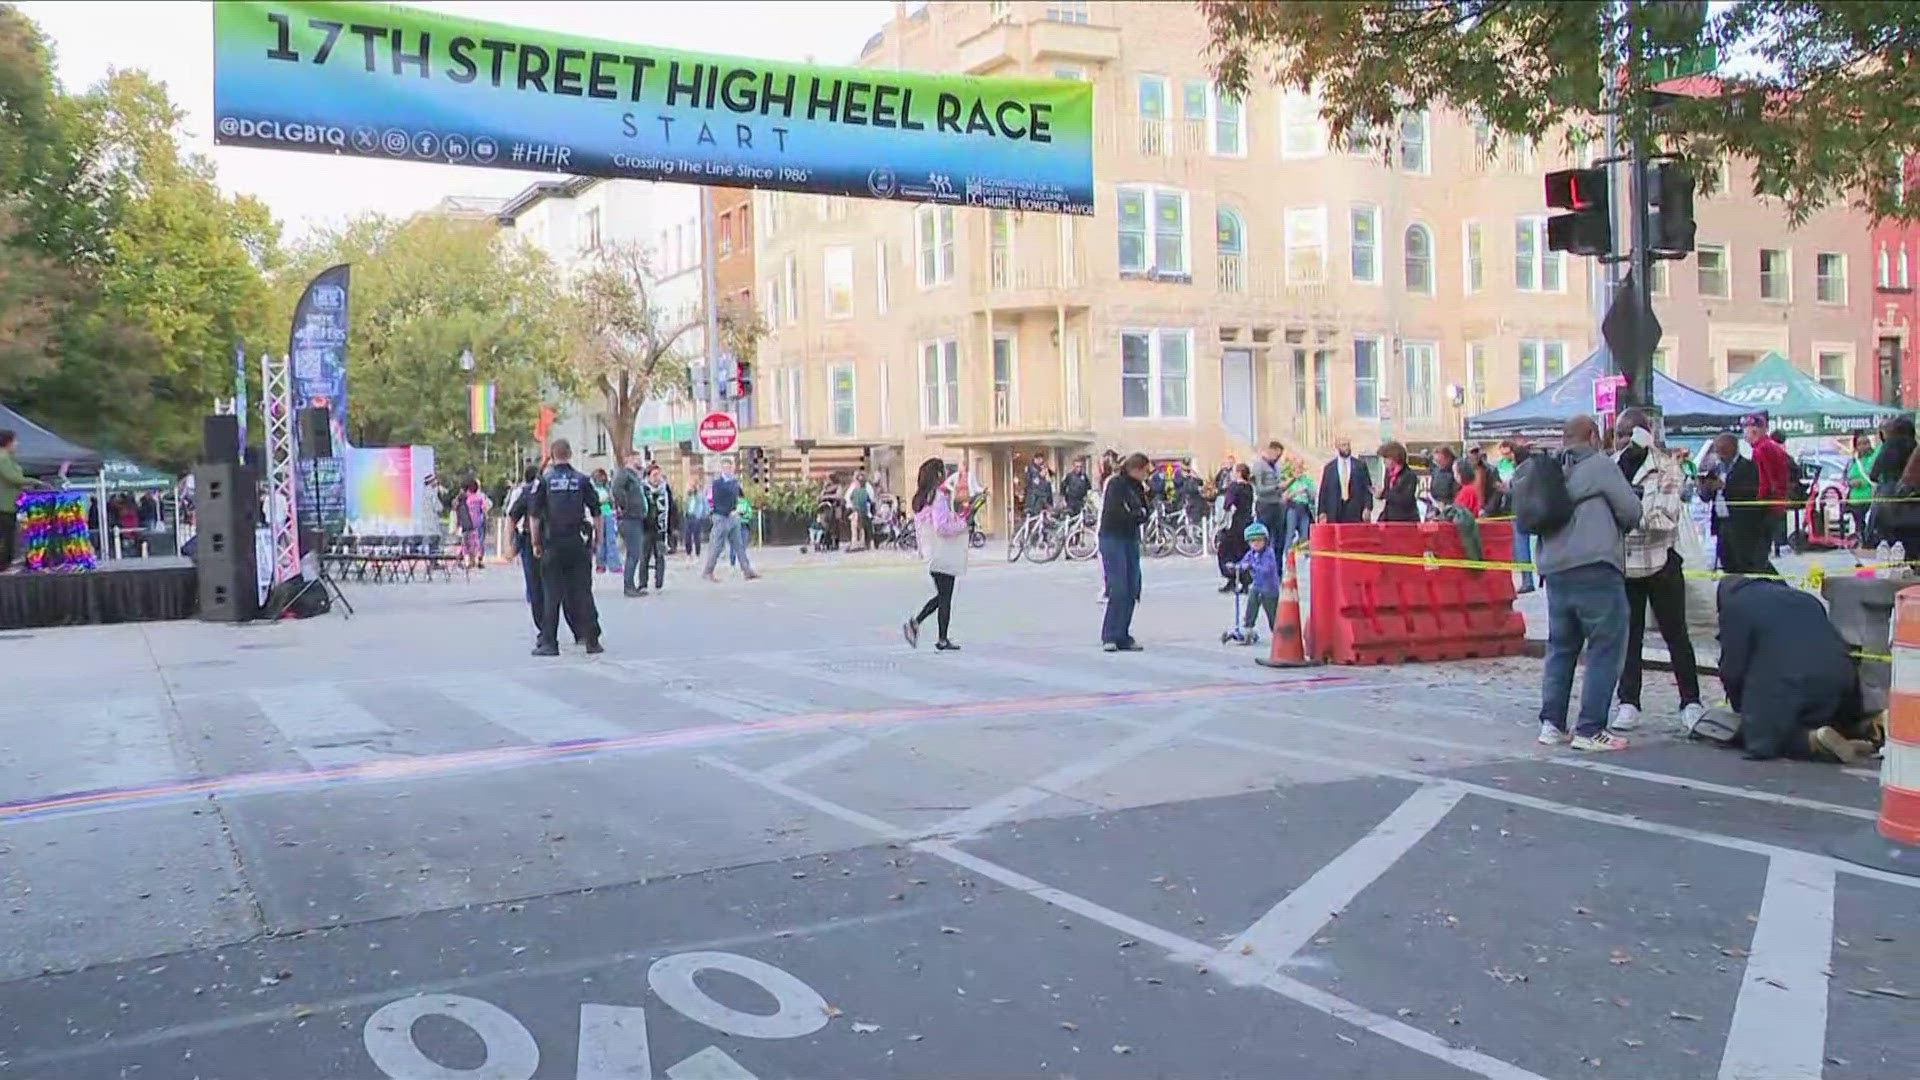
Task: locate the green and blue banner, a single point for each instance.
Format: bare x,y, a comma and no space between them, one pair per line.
382,81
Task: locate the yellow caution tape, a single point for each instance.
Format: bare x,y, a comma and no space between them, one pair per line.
1811,580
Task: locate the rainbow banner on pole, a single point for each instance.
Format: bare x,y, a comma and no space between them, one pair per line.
480,408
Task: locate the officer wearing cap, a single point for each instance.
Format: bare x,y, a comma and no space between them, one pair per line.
565,531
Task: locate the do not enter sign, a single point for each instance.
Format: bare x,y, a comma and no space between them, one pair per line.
718,432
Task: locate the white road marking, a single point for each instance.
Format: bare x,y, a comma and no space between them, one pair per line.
883,683
1573,762
320,722
831,809
813,759
1067,675
799,1008
1061,780
613,1043
537,717
709,1064
1779,1029
1266,946
511,1052
117,742
1189,670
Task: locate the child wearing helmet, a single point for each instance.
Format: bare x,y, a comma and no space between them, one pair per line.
1260,565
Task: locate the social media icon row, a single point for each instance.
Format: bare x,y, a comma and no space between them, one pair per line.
426,144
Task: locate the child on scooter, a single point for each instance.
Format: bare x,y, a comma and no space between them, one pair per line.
1264,564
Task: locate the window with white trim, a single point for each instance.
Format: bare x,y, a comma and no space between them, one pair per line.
882,295
933,228
840,400
1885,265
726,234
1153,230
1303,134
1710,261
1473,265
1830,278
1066,11
1776,274
1417,259
1834,368
790,289
1070,72
1535,269
1156,374
1306,245
1477,376
1151,93
886,398
1366,377
940,384
1657,277
1420,363
1224,116
1363,244
1541,362
837,268
1413,142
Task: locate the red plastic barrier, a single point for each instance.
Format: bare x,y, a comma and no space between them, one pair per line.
1391,612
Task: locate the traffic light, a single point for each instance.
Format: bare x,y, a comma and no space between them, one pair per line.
1589,229
743,379
1670,209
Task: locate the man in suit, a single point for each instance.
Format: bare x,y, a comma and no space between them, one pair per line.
1346,491
1739,522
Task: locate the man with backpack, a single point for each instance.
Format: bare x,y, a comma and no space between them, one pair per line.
1580,508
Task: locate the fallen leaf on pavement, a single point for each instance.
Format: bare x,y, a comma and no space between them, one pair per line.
865,1029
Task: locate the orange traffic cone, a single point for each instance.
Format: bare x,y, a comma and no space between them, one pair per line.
1289,642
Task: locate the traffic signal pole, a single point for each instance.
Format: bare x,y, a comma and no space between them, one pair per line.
1637,365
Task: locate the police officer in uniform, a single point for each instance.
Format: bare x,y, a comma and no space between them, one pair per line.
565,514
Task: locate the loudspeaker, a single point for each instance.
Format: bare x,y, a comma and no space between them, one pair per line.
224,510
220,438
316,432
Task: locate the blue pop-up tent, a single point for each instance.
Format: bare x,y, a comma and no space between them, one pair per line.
1688,413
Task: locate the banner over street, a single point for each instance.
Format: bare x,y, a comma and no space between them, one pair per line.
381,81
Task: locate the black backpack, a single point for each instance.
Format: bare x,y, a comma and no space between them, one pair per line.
1541,504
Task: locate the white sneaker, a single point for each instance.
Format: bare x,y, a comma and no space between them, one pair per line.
1602,742
1551,736
1690,715
1625,717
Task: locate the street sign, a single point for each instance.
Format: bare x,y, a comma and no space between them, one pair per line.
718,432
1606,392
1696,61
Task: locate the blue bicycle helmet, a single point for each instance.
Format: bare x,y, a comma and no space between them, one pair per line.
1255,530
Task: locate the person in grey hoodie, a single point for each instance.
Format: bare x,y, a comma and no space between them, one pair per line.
1269,490
1583,566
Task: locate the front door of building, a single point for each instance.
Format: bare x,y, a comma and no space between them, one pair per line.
1236,394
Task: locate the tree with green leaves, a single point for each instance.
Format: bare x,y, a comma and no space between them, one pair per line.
426,289
1821,96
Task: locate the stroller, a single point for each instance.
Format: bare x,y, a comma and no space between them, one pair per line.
823,532
1238,633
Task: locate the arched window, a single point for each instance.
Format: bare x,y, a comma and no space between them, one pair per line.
1231,241
1419,259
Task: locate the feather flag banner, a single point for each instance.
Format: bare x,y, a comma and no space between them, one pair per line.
480,408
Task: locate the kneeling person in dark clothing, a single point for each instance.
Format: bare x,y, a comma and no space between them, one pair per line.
1787,672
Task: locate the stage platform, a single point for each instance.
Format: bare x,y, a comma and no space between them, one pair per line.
123,590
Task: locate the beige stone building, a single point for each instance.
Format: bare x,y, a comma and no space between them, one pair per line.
1243,279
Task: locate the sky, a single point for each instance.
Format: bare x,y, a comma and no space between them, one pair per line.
173,41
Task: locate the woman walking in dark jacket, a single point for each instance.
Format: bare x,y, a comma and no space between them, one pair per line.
1400,492
1123,509
1238,508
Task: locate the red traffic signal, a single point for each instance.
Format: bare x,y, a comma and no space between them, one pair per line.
1588,230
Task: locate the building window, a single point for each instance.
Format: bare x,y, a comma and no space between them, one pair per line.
1833,368
1541,362
1363,244
1776,275
1535,269
790,289
771,295
1712,260
1482,141
1153,231
833,208
935,230
1152,91
837,267
840,400
1657,277
1154,374
1420,360
1477,376
600,441
590,230
746,226
1830,278
1886,269
1231,241
1473,266
1413,141
1661,359
1224,117
1366,378
1067,11
999,10
886,399
1299,382
776,203
1303,134
1900,269
1003,368
940,384
726,235
1000,247
1306,244
1418,252
882,298
796,406
1070,72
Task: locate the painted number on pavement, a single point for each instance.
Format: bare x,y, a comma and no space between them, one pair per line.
613,1038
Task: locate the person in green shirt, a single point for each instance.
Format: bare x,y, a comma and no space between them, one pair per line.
12,482
1860,482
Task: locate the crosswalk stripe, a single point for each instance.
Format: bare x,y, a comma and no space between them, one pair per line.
322,724
525,711
885,684
1071,676
119,742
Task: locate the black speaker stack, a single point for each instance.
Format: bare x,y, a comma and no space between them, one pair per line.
225,503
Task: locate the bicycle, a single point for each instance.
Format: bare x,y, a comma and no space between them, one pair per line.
1083,534
1040,537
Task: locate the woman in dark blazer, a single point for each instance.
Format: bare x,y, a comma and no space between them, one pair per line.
1400,489
1232,543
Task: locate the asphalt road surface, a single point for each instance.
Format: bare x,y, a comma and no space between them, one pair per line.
762,838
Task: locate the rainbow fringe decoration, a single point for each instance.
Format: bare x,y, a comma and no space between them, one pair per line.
53,530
